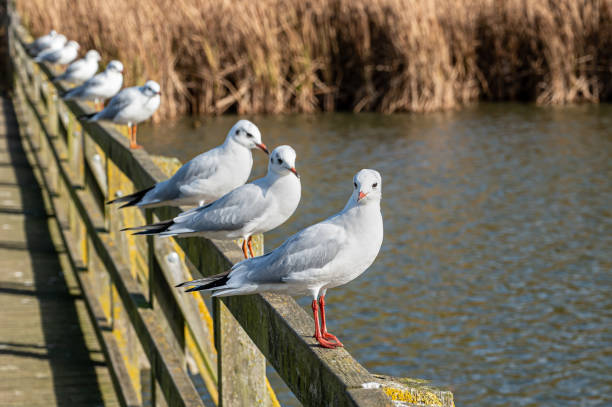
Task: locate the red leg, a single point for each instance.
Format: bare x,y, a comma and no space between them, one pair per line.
133,143
324,332
322,341
244,249
250,247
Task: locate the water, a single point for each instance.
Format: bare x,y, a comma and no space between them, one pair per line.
495,273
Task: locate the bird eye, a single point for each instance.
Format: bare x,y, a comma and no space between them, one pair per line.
238,132
280,161
249,135
354,183
374,185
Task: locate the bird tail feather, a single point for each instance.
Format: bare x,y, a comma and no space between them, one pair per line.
152,229
132,199
87,116
207,283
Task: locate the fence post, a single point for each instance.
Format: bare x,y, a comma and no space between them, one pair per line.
241,366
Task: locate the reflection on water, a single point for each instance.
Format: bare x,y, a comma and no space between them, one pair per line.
495,273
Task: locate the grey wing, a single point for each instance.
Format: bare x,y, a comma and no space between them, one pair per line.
79,91
179,185
230,212
74,67
190,177
116,104
96,80
309,250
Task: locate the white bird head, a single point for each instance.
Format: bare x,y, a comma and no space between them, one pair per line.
52,33
60,39
115,66
151,88
92,54
247,134
368,187
282,160
73,44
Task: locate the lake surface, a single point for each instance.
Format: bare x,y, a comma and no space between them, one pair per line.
495,275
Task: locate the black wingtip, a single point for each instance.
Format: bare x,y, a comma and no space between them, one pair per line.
86,116
192,289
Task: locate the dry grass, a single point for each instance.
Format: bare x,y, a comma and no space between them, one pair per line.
386,55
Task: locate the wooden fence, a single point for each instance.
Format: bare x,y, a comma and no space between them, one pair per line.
157,339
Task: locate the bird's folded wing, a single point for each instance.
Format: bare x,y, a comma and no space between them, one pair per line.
87,86
74,67
231,212
193,178
97,80
118,103
300,257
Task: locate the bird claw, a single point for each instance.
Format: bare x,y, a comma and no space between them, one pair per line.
135,146
326,344
327,335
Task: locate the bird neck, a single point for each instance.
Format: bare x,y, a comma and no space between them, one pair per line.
363,215
231,144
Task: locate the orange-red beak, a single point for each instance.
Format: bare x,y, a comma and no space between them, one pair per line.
293,170
263,148
361,196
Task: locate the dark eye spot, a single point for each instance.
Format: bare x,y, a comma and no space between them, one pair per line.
374,185
354,183
237,132
249,135
280,161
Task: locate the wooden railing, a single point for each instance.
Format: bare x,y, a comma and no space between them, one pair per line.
156,338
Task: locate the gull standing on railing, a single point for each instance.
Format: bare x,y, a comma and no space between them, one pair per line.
62,56
325,255
206,177
41,43
131,106
253,208
81,70
101,87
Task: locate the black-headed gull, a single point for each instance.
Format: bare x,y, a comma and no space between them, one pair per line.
101,87
57,42
322,256
258,207
130,106
61,56
81,70
206,177
41,43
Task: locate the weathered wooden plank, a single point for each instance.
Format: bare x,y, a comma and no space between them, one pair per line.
126,394
41,305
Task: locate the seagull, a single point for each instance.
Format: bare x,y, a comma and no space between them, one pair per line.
101,87
41,43
206,177
322,256
81,70
57,42
253,208
62,56
130,106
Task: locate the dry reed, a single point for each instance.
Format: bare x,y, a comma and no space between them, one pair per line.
385,55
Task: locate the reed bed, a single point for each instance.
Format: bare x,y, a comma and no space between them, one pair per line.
276,56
